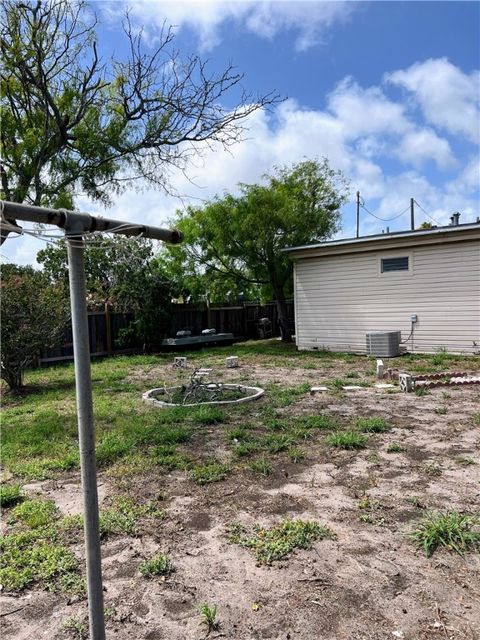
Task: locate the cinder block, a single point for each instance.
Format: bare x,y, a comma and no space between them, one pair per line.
407,383
232,362
180,362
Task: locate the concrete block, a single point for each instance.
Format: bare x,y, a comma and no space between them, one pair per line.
180,362
232,362
383,385
407,383
318,389
352,387
380,369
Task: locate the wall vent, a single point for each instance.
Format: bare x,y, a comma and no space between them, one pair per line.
384,344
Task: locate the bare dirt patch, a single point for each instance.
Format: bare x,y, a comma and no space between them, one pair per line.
370,583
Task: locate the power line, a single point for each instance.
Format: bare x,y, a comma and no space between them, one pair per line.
384,219
427,214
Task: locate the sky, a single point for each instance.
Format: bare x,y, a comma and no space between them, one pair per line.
389,92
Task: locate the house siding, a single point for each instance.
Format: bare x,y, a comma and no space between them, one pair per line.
339,298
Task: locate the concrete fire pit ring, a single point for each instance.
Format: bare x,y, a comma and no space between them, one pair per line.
253,393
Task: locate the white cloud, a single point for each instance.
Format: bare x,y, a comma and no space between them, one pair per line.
448,97
366,111
310,20
421,145
360,131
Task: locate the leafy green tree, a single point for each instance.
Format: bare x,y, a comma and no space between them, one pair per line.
120,271
34,314
71,121
240,237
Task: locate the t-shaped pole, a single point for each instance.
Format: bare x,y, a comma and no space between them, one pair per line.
76,225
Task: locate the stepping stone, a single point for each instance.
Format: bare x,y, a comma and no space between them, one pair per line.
352,387
380,385
317,389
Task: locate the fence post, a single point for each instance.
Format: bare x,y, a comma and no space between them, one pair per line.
108,327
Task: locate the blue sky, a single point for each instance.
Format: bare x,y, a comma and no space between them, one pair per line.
388,91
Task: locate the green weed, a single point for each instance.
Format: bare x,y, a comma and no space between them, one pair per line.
209,472
464,461
347,440
296,454
433,469
261,466
453,530
10,494
123,516
422,391
276,443
209,616
35,513
394,447
372,425
159,565
278,542
75,628
244,449
36,557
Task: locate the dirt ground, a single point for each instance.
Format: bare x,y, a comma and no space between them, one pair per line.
370,583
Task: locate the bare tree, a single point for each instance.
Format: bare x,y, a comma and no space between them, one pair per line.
71,121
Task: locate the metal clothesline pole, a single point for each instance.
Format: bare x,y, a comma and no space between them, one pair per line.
86,435
76,225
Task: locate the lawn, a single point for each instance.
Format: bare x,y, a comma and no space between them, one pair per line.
332,515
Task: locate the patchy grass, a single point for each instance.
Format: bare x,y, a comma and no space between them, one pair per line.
38,557
371,425
35,513
463,461
422,391
284,397
159,565
269,545
124,516
347,440
261,466
10,494
75,628
433,469
316,422
394,447
209,415
296,454
453,530
209,472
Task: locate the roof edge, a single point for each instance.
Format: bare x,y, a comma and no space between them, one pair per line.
385,238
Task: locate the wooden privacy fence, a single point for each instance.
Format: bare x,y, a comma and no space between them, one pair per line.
104,327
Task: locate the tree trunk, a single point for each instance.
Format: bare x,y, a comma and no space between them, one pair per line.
13,376
283,321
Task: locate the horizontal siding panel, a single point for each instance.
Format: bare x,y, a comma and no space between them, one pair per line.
339,298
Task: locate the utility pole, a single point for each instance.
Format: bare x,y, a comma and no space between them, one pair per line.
76,225
412,214
358,214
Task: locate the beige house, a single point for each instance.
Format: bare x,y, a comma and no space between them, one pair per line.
424,283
